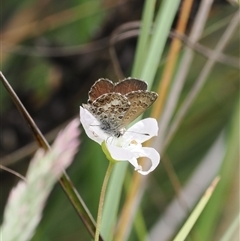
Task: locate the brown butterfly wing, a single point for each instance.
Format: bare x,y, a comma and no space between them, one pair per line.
100,87
140,101
128,85
110,110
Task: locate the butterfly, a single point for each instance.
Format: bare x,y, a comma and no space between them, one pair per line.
116,105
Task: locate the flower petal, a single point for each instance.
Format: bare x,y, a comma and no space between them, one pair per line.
91,126
142,130
119,153
134,162
151,154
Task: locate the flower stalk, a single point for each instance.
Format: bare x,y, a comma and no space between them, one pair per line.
101,200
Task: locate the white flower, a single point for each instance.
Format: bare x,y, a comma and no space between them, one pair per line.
127,147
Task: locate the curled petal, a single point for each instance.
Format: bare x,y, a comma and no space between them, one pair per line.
151,154
134,162
143,130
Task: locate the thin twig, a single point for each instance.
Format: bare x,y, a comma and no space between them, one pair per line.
182,72
172,58
110,42
207,52
36,132
174,180
122,32
201,79
41,51
13,172
30,148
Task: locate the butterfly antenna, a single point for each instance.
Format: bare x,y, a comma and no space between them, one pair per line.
145,134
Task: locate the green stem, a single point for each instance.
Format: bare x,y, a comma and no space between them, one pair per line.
101,200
